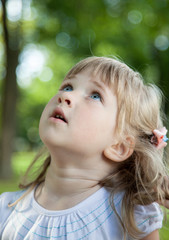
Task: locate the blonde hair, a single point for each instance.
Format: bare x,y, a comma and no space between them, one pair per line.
142,176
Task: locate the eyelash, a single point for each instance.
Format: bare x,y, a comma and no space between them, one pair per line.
64,86
97,93
94,92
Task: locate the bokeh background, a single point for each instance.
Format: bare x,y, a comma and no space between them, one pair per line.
41,40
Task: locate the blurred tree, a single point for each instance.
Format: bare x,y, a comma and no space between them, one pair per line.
9,96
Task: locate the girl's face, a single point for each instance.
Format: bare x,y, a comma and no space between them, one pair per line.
81,117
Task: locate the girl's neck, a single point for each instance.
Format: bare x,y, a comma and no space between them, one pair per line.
68,184
64,188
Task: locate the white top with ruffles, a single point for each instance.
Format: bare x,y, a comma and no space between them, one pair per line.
92,219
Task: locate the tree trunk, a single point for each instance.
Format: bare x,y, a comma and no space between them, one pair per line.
9,97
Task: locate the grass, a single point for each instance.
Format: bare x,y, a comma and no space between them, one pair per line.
21,161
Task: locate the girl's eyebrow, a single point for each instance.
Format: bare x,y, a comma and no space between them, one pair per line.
66,80
99,85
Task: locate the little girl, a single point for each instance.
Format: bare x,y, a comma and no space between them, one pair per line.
104,167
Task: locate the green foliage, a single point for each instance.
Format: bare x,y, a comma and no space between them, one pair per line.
21,161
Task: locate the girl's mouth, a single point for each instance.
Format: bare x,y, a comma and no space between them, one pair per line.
59,114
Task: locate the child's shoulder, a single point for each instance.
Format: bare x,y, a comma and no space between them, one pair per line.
9,197
148,218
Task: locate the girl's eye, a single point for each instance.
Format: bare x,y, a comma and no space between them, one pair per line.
67,88
96,96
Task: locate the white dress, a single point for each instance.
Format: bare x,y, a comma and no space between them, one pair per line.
92,219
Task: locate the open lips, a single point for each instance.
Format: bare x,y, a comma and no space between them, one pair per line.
59,114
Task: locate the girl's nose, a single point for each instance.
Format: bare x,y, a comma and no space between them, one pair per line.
65,99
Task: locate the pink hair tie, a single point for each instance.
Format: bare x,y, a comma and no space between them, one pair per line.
159,138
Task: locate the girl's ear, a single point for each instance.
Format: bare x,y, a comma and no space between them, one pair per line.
120,151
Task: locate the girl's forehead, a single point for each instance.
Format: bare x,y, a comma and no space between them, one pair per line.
96,76
94,79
